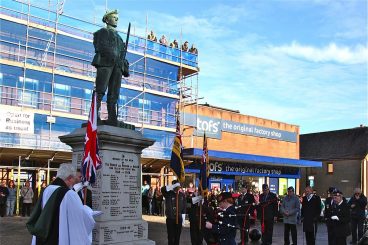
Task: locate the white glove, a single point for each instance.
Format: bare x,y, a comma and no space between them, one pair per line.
172,187
335,217
169,188
85,184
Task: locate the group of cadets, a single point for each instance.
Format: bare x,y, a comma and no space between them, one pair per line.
217,221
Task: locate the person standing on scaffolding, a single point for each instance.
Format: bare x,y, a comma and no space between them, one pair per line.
110,63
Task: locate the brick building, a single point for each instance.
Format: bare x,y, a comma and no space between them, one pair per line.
243,149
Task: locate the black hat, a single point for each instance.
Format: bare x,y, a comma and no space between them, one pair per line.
244,186
331,189
174,181
223,196
290,188
337,192
264,187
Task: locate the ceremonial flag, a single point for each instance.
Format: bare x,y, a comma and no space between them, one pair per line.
205,171
176,162
91,159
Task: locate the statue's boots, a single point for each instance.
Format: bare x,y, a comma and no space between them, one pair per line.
98,110
112,115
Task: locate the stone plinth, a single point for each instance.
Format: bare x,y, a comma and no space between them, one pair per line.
117,190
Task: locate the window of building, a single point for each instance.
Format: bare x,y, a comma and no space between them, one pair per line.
144,114
87,100
330,168
61,97
28,95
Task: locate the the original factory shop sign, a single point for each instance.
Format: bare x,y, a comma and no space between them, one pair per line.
230,168
214,126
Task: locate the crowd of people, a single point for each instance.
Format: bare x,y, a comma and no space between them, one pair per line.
174,44
218,216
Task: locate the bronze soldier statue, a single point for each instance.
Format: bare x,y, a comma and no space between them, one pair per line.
110,63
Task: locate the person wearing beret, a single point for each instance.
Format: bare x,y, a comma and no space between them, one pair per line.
175,206
226,227
340,218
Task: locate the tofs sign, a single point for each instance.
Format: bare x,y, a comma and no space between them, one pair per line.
13,121
215,126
231,168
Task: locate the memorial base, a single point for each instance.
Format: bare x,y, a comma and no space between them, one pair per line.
117,190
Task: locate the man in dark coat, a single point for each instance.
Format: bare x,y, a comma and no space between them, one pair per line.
246,203
327,214
340,218
311,210
357,203
110,63
267,209
175,206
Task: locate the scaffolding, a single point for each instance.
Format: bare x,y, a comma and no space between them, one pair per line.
49,58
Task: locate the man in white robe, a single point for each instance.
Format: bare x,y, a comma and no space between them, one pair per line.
75,221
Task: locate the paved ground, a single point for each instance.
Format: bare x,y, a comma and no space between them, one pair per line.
13,232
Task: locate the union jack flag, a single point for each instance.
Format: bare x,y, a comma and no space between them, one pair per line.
91,159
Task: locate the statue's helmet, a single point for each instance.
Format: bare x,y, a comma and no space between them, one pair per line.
108,13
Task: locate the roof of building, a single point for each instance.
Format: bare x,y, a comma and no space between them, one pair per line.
335,145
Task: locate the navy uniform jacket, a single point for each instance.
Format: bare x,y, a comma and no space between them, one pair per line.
226,234
341,227
170,204
311,210
328,209
270,204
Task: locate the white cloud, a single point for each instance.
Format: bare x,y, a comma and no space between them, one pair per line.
329,53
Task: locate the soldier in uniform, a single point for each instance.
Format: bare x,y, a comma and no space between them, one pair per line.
327,214
246,204
225,228
267,209
110,63
175,205
311,210
340,218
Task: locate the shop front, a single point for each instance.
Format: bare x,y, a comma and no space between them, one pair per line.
231,170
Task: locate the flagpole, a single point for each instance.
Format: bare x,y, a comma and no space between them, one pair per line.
85,195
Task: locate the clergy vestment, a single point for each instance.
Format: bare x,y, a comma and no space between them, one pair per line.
75,220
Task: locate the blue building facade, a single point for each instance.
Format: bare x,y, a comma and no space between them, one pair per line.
46,83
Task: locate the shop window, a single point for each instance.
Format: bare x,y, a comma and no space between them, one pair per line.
330,168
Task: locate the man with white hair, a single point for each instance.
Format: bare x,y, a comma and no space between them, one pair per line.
357,204
59,216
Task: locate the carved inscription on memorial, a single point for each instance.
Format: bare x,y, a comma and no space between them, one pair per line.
118,186
121,233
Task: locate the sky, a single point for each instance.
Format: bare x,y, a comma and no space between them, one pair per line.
302,62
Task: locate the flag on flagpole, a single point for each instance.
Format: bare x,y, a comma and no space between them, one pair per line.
91,159
176,162
205,171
